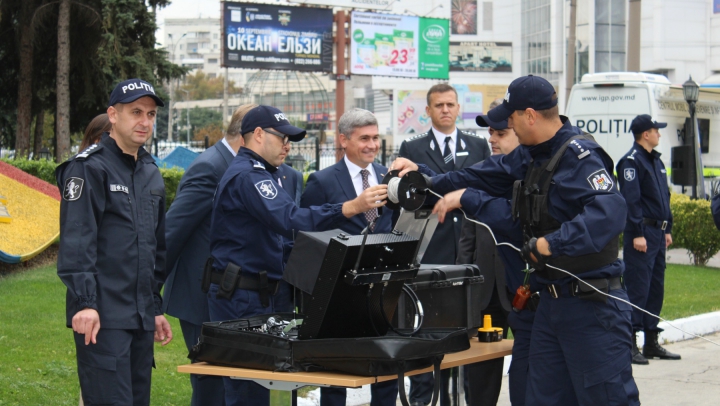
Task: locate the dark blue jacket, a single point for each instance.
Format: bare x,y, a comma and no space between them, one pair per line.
112,235
334,185
251,215
583,195
188,235
643,184
423,148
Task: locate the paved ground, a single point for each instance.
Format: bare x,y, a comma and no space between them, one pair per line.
694,380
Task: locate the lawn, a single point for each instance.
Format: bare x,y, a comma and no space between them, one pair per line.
37,355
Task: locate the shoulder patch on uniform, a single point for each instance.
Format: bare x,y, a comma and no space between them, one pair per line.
629,174
266,189
257,164
89,150
73,189
417,137
600,180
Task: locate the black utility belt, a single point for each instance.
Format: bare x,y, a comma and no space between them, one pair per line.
659,224
232,278
584,290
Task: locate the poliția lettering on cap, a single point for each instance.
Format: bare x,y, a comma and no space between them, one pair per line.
527,92
132,89
270,117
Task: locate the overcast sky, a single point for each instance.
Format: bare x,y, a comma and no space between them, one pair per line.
186,9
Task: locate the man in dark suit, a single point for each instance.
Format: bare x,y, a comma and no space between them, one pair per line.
291,180
345,181
443,148
187,234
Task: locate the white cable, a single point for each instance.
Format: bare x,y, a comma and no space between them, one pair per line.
576,277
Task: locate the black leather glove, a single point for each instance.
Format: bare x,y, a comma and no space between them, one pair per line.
529,248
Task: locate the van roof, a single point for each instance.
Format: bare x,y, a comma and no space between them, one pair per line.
624,77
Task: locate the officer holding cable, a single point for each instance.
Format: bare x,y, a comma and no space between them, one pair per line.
572,213
252,218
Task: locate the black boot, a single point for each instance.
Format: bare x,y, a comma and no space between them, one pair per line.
652,348
637,358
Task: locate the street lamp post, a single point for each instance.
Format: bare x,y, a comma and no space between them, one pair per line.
691,91
170,103
187,113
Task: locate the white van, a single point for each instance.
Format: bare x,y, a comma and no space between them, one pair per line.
604,105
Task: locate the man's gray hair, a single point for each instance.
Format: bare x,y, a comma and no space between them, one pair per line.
353,119
495,103
235,125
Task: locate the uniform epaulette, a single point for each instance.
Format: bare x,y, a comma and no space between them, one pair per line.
471,134
257,164
632,155
88,151
417,137
580,149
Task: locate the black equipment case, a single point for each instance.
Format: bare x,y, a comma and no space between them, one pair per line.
240,343
450,297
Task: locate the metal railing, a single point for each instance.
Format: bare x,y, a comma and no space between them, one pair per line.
304,155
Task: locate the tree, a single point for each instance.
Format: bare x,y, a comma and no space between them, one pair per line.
111,40
62,132
213,131
202,87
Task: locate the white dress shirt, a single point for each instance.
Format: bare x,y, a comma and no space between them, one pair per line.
440,137
357,177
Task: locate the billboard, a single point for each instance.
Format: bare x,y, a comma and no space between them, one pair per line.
463,17
394,45
260,36
481,56
366,4
474,100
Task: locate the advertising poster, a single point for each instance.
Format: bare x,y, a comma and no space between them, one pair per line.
481,56
474,100
259,36
411,115
463,17
365,4
394,45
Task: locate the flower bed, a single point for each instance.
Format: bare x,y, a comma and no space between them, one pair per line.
34,208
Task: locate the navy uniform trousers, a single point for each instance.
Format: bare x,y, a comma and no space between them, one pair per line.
586,343
645,278
246,303
521,325
116,370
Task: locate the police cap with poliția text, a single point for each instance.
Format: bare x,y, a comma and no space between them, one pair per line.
526,92
644,122
270,117
485,121
132,89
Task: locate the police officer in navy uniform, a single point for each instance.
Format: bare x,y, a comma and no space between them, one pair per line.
443,148
112,252
251,220
572,214
483,380
643,184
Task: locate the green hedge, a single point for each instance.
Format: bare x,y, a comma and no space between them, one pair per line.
42,169
693,228
45,170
